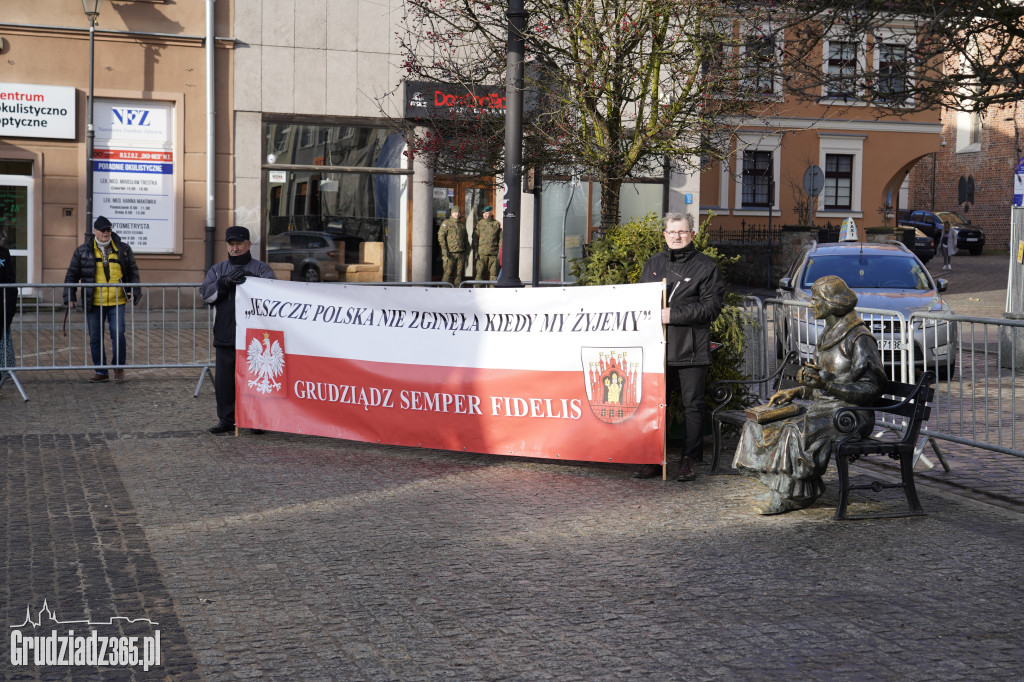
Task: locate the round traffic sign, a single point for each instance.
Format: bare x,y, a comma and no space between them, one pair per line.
814,181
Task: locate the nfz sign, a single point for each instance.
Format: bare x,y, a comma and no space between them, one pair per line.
132,117
134,121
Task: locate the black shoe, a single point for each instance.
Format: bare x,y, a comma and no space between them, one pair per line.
222,427
686,472
647,471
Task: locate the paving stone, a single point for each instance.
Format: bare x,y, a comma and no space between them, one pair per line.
294,557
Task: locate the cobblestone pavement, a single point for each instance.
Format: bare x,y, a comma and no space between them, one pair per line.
291,557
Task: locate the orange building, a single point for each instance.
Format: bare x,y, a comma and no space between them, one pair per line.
863,153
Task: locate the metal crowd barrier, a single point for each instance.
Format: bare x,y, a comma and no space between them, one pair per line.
170,327
978,404
755,348
794,328
978,362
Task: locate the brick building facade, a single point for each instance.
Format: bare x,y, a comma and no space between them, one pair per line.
986,147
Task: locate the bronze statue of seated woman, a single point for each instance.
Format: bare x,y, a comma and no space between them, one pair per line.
791,455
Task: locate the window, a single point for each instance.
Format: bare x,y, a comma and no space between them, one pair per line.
968,131
759,62
975,128
841,69
838,181
841,158
757,179
347,180
892,71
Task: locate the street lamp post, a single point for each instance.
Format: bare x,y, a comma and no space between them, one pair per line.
512,201
92,11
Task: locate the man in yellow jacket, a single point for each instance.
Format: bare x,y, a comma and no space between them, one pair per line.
104,259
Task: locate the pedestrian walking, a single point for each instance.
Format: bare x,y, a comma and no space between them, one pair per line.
104,259
9,305
947,245
218,290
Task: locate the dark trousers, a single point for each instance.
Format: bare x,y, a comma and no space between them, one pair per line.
691,389
224,383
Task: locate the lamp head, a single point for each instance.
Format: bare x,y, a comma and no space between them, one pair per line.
92,8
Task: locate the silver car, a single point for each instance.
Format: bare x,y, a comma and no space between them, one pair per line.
313,254
885,277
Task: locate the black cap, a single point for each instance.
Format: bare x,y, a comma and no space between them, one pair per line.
238,233
101,224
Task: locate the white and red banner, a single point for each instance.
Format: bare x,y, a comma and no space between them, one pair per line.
567,373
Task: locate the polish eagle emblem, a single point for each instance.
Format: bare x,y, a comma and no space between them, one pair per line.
266,363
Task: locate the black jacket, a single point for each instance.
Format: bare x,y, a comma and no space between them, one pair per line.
9,304
83,269
223,298
696,291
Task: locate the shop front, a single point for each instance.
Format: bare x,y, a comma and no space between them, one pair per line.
334,193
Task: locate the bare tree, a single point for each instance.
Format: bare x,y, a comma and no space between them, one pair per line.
903,56
614,88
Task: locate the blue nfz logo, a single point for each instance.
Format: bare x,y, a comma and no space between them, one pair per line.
132,117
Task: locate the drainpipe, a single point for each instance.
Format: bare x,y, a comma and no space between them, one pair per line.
211,129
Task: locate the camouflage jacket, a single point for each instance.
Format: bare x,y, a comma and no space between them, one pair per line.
486,236
452,236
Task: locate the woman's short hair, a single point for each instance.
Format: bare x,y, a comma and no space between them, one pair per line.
834,291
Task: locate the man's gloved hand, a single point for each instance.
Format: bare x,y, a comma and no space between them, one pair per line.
225,285
237,276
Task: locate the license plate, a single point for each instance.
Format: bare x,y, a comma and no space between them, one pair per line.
890,345
972,239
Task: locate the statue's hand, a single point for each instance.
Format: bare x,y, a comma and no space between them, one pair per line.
811,376
783,396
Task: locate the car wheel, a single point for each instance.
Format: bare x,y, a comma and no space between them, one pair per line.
311,274
945,372
975,250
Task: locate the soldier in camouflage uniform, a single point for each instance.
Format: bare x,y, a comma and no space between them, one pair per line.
454,243
486,237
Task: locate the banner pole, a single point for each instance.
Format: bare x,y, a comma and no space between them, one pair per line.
664,365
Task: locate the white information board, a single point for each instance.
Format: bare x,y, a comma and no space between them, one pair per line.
134,170
28,110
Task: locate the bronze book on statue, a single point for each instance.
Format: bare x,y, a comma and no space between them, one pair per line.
762,414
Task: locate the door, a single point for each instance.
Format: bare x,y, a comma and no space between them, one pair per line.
16,223
472,196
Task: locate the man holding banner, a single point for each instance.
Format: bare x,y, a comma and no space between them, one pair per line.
694,297
218,290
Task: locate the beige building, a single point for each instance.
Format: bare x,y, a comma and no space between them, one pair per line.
151,113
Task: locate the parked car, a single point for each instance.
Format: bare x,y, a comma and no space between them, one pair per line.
313,254
884,276
924,246
968,237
